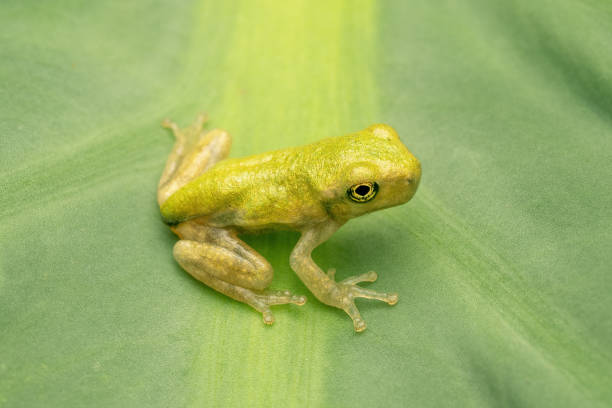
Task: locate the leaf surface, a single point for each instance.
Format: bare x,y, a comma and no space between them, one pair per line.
502,259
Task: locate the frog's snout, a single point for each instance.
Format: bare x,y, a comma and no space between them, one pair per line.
414,178
412,182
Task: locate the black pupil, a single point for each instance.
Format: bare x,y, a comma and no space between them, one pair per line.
362,190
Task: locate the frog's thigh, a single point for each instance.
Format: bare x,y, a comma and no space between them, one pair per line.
239,266
187,160
236,271
212,147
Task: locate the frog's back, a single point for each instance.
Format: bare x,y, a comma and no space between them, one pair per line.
255,192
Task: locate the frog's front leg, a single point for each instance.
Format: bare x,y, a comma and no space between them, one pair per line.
338,294
225,263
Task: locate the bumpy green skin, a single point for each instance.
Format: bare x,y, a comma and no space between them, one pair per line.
299,186
302,188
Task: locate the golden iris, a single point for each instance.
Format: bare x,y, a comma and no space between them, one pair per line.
363,192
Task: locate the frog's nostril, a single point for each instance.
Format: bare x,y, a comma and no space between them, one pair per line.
412,179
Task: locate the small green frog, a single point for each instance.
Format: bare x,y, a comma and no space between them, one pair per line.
314,189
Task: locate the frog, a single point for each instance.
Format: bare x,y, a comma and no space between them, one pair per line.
209,200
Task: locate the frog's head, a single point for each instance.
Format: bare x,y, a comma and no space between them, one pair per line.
374,170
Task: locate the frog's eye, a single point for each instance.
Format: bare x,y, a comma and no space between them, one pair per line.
363,192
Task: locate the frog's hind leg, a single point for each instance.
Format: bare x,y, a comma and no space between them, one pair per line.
194,152
225,263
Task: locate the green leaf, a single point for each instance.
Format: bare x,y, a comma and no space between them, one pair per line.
502,259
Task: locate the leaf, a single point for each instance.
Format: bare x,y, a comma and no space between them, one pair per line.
501,260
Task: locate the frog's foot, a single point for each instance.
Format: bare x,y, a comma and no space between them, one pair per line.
195,128
262,300
364,277
348,291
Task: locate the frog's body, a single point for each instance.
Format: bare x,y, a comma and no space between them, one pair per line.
252,193
313,189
